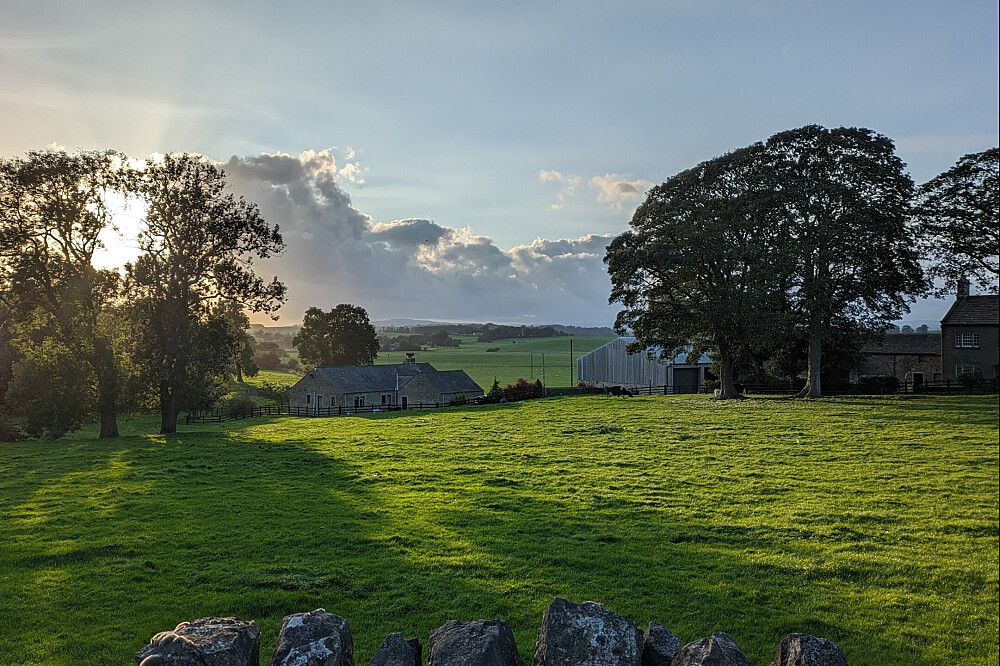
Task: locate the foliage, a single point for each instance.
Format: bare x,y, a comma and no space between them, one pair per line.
845,198
198,247
878,385
240,406
267,360
495,390
492,332
957,215
523,389
459,399
52,388
870,521
704,263
52,212
342,336
275,392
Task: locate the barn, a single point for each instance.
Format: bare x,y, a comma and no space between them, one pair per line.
611,365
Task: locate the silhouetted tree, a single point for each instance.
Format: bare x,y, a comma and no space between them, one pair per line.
342,336
198,250
957,215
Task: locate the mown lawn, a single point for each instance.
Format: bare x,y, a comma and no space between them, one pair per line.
870,521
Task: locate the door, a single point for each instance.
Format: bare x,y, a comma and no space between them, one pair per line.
404,402
686,380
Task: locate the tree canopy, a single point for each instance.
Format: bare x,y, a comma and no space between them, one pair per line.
804,237
198,250
703,265
957,215
341,336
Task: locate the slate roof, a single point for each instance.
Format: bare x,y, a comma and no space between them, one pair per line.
905,343
355,378
452,381
974,311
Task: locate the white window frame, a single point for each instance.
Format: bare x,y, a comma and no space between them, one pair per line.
962,369
966,341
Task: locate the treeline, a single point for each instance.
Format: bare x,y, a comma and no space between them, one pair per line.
440,338
787,252
492,332
166,332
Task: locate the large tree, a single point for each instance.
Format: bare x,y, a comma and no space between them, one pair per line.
845,198
198,252
957,215
703,265
59,307
342,336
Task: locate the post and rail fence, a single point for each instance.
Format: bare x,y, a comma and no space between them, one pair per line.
224,413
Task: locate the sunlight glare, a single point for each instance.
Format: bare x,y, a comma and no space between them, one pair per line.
120,239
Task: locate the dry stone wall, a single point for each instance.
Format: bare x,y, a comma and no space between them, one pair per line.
571,634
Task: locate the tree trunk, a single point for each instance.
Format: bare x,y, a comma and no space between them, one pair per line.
239,373
727,379
109,424
169,408
813,387
108,387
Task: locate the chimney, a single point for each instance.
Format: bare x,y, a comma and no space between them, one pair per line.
963,288
410,358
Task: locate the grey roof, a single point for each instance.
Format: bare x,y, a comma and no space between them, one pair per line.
452,381
679,359
906,343
371,377
974,311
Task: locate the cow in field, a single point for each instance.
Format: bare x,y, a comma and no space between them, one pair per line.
617,390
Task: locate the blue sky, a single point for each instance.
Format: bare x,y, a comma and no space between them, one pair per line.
511,137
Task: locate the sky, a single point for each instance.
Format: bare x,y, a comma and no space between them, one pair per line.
471,161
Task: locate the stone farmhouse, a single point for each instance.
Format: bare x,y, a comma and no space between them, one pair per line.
400,386
970,336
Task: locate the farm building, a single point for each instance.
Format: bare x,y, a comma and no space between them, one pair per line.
402,385
970,336
610,364
912,358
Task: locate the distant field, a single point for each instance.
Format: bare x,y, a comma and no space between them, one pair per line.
516,359
871,521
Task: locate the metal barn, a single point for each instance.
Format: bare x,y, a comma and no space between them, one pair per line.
610,364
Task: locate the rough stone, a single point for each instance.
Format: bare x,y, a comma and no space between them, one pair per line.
316,638
586,634
209,641
660,646
397,652
806,650
716,650
475,643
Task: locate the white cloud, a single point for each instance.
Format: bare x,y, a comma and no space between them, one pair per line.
616,190
568,182
411,267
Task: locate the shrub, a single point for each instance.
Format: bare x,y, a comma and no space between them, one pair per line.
523,389
878,385
240,406
275,392
459,399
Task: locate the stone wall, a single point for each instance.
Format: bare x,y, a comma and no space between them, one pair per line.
571,634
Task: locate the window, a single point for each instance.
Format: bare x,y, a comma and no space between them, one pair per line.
386,399
319,401
966,341
309,398
966,370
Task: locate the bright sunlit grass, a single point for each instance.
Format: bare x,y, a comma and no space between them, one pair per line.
870,521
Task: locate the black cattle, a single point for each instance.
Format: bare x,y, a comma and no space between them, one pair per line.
617,390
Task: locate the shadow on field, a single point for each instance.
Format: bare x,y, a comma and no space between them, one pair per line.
108,543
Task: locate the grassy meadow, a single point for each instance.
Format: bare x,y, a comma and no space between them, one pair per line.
870,521
517,358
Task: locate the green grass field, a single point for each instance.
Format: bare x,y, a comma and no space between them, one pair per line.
870,521
516,359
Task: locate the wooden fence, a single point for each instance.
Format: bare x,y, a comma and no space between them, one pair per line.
222,414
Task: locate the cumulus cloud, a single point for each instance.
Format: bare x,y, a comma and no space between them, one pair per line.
568,182
411,267
617,190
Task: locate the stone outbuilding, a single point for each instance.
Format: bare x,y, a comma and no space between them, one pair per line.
400,386
912,358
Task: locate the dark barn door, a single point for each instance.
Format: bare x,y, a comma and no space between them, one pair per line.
686,380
